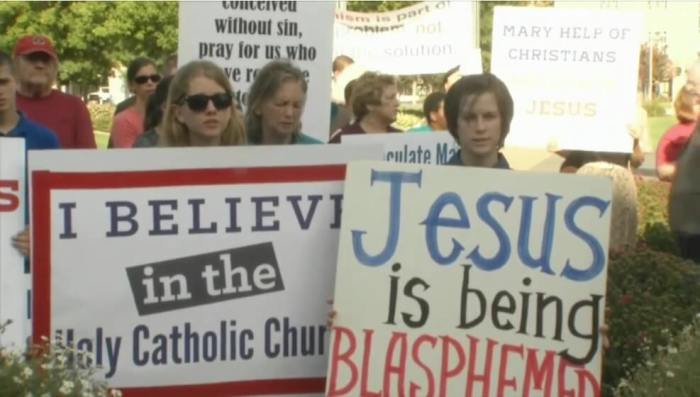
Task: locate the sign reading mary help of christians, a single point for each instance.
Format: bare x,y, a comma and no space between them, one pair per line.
469,282
206,281
572,73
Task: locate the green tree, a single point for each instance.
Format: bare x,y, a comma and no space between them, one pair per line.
378,6
93,37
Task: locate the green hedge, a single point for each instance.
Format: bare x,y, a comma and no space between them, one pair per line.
101,116
652,293
651,296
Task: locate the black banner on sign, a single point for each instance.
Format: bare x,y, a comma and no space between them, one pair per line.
207,278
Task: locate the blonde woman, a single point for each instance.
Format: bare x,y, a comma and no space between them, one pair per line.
199,109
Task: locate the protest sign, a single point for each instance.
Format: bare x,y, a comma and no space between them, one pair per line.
438,147
242,36
462,281
206,280
572,73
428,37
432,148
14,280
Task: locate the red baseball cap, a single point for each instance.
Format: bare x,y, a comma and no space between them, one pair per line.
35,43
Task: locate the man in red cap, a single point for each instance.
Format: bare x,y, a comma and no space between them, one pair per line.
36,64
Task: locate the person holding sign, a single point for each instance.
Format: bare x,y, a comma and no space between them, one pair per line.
479,109
128,124
375,104
199,110
275,105
15,124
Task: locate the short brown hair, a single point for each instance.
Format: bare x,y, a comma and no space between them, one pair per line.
368,90
683,105
477,84
341,62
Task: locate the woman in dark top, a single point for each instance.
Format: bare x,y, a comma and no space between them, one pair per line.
375,105
154,115
275,106
479,109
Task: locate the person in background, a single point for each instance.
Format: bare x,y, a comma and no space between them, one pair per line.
479,110
375,105
434,112
170,65
345,70
684,199
13,124
199,110
276,103
142,77
169,69
36,66
154,115
674,140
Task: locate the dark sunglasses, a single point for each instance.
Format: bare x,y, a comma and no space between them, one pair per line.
199,102
143,79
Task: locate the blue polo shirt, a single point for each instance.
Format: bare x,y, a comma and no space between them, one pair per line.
35,136
501,163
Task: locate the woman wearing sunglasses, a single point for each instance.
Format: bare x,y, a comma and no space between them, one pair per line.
275,105
199,109
128,124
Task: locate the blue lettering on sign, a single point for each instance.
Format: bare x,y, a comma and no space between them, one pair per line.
396,179
482,209
598,253
435,220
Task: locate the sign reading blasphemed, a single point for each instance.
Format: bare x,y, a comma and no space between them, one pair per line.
242,36
572,73
429,148
14,282
207,281
469,282
429,37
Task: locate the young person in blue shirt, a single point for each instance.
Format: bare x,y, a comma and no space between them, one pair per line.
434,113
275,105
15,124
479,109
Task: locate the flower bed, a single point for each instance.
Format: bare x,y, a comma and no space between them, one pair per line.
652,294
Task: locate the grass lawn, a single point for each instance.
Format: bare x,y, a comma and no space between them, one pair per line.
101,139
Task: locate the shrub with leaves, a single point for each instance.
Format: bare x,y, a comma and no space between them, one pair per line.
101,116
654,229
652,296
49,370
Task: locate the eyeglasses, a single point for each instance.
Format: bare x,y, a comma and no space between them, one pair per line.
143,79
199,102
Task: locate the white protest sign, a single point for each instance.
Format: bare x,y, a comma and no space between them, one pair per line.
242,36
14,282
206,280
462,281
572,73
428,37
429,148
